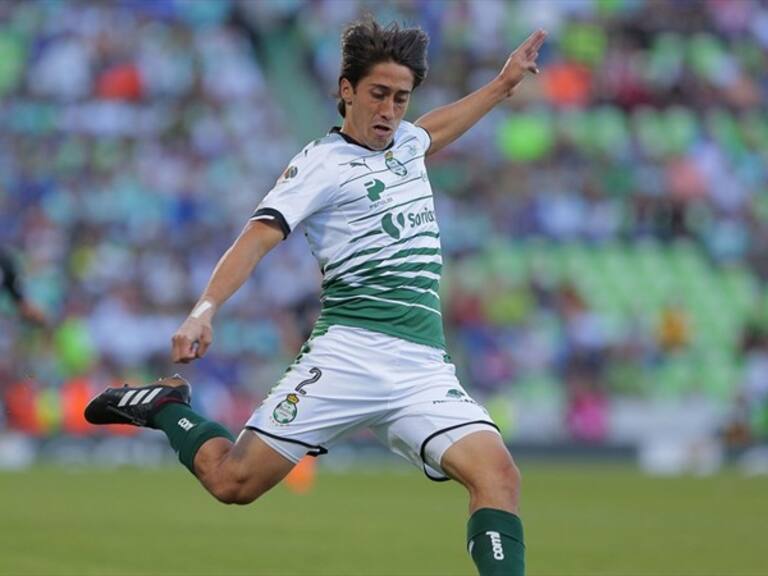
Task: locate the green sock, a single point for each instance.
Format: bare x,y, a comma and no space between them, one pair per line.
495,542
187,431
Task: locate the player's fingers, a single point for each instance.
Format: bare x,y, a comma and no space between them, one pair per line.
528,42
181,349
534,41
203,343
175,349
532,53
538,39
186,356
177,354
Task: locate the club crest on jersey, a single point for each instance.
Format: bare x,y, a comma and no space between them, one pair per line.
394,165
285,412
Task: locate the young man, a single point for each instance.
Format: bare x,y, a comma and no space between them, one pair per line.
376,357
9,282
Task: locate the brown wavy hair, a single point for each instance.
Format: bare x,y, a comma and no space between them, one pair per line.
366,43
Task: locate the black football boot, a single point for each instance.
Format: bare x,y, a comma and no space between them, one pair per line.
138,405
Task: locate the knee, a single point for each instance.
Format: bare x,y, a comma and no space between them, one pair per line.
229,487
501,481
233,492
507,478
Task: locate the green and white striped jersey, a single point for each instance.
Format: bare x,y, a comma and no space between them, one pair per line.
370,221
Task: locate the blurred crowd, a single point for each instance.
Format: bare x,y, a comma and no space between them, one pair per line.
136,137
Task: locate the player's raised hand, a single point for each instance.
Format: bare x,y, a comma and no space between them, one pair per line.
522,60
191,340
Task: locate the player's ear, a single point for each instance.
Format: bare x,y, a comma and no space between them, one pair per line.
346,91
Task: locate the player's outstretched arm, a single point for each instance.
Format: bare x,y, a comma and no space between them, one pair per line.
447,123
195,335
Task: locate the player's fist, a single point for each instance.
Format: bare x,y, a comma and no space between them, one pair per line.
522,60
191,340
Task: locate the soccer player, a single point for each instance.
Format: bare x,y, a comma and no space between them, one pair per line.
9,282
376,357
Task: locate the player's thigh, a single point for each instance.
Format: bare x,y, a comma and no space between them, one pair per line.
481,461
333,388
431,420
253,465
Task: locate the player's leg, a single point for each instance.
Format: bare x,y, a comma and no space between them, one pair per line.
439,427
319,398
233,472
241,472
454,438
482,463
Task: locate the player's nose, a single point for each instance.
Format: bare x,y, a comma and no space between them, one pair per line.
387,109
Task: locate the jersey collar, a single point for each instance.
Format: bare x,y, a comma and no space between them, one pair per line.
350,140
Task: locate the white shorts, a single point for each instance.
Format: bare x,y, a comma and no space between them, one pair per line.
350,378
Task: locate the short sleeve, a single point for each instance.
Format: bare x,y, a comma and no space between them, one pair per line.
424,137
305,187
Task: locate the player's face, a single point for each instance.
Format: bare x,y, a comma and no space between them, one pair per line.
375,107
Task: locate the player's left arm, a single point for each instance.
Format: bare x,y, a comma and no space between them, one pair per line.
447,123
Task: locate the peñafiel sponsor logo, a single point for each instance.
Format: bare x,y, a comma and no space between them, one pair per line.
374,188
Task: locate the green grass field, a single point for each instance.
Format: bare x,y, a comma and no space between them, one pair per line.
586,520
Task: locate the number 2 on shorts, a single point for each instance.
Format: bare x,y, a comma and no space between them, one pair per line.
316,374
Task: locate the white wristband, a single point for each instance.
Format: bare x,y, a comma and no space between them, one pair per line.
201,309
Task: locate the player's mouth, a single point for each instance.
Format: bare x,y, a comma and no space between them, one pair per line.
382,130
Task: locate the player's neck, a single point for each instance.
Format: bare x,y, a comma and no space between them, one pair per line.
351,135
